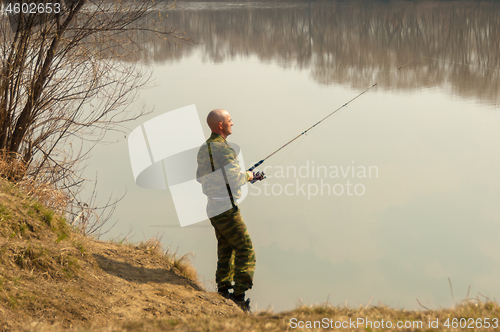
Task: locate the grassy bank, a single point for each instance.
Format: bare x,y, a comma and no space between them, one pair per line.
323,318
52,278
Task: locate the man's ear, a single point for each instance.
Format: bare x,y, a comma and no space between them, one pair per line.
221,125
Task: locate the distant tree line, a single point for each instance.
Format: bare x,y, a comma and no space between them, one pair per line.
353,42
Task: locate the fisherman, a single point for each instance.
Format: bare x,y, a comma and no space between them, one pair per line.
221,177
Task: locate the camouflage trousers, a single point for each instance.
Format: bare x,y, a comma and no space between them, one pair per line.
233,242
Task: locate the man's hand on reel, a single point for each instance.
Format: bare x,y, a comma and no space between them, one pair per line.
257,176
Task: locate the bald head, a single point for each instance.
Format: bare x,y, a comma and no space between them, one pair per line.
215,117
220,122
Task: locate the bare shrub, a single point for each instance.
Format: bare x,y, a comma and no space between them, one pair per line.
65,80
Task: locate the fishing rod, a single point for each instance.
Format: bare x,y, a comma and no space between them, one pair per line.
257,164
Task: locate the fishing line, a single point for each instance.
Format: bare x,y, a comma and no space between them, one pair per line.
326,117
288,155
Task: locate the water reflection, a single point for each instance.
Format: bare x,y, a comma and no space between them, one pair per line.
352,43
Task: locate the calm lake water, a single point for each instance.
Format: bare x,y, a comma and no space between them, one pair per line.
391,196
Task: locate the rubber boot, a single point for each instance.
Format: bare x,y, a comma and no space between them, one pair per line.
239,299
224,292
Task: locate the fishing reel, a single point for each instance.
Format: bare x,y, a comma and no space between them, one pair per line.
258,176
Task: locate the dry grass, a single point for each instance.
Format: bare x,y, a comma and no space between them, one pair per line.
46,193
41,190
36,247
182,264
267,321
22,217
